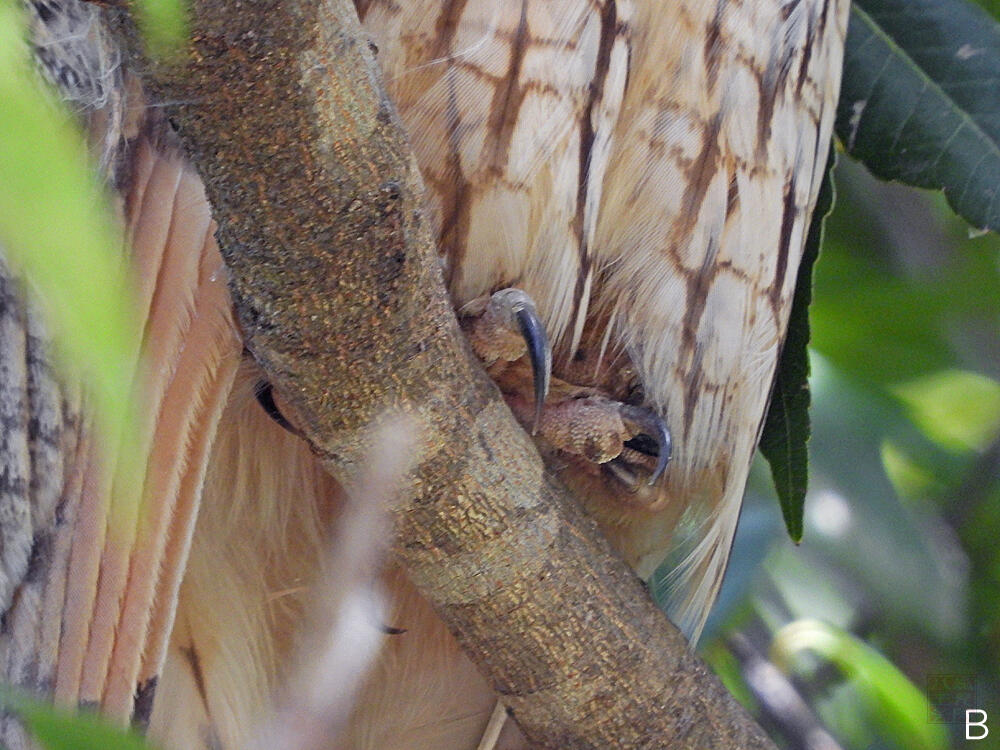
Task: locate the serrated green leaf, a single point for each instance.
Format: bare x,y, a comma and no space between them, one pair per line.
58,729
920,99
785,437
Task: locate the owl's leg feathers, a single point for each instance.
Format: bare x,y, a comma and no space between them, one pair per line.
506,330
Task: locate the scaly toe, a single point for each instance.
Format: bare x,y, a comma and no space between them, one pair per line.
590,427
630,442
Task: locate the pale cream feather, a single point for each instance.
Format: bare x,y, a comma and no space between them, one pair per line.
259,546
720,150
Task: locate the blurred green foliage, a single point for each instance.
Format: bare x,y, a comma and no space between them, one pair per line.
164,25
899,550
57,233
887,697
59,729
56,230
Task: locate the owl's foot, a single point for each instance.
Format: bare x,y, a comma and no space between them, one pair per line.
581,421
620,437
505,328
623,438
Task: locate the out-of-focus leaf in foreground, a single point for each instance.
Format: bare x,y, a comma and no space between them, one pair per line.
57,233
58,729
164,25
893,703
960,410
920,101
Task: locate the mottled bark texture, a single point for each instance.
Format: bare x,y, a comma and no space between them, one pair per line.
337,284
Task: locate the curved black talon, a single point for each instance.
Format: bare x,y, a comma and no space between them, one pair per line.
264,392
515,305
540,355
651,424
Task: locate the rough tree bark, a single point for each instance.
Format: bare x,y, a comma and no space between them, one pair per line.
336,281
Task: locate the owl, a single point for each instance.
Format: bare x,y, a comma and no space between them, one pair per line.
620,191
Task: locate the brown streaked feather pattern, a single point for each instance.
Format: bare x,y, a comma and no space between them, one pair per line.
721,154
510,108
646,171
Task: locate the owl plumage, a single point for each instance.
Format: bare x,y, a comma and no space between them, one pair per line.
645,171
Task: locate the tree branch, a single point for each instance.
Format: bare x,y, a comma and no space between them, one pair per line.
336,282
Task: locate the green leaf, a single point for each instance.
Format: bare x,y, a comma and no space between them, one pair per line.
56,227
164,25
959,410
876,326
920,99
58,729
990,6
58,234
890,701
785,437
